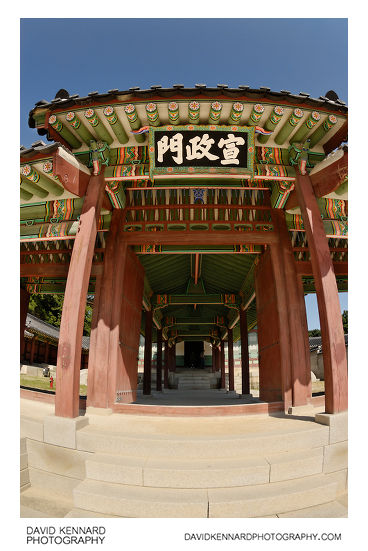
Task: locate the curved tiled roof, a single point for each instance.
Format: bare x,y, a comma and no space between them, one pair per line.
64,99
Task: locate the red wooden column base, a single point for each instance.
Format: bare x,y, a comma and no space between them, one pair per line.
333,343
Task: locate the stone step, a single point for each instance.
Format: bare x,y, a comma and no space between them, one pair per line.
83,513
332,509
36,502
239,502
269,499
140,502
204,473
94,439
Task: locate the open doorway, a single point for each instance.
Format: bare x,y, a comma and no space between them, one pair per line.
194,354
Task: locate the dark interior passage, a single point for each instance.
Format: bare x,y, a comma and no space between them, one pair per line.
193,354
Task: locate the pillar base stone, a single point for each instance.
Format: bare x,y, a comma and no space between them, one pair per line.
91,410
338,423
246,395
306,409
62,431
232,393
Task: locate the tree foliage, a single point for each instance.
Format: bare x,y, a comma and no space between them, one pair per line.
314,333
345,321
49,308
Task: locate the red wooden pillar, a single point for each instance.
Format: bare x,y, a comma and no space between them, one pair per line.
230,352
333,344
71,328
47,350
244,351
101,324
24,301
147,353
172,358
33,349
214,367
273,329
298,327
166,365
222,364
125,326
159,361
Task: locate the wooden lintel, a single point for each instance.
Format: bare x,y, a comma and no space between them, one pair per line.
72,178
335,140
191,237
53,270
324,182
304,268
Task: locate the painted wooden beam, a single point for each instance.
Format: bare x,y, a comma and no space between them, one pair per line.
152,114
322,130
215,113
173,113
68,136
134,121
115,124
25,195
209,238
194,112
42,181
51,269
289,126
333,343
256,115
75,122
34,189
303,131
230,300
273,120
94,120
236,113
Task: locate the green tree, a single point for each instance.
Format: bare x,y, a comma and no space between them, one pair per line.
49,308
345,321
314,333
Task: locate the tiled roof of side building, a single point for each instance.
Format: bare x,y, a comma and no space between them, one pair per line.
35,326
316,342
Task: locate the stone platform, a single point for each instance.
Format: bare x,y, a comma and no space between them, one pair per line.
234,466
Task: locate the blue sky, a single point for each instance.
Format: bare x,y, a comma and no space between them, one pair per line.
86,55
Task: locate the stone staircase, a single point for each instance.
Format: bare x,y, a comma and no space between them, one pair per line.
188,467
194,379
280,472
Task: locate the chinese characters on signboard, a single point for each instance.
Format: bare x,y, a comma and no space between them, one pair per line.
179,150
